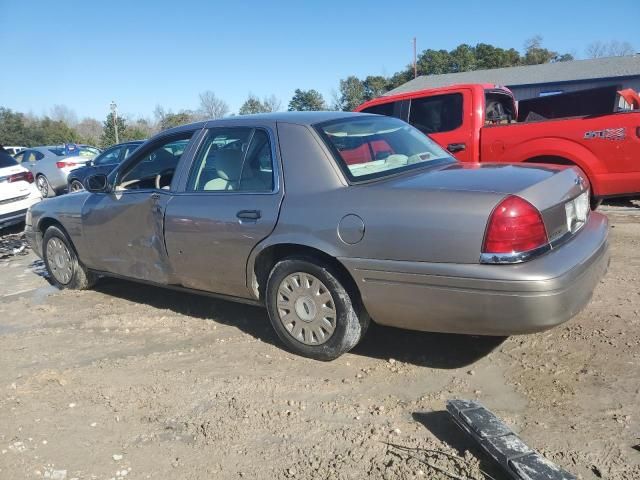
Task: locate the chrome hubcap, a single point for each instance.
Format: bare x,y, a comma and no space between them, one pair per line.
306,308
42,186
59,260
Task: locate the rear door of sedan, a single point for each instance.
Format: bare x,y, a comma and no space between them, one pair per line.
229,202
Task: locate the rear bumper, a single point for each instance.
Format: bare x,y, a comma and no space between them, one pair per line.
486,299
15,212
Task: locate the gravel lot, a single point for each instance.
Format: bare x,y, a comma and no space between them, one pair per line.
138,382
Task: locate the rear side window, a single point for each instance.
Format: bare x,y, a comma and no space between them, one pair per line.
7,160
236,159
440,113
370,147
382,109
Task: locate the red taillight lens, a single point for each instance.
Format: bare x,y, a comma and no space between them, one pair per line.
514,226
65,164
22,176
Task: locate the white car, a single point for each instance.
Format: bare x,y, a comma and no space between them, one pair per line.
12,150
17,191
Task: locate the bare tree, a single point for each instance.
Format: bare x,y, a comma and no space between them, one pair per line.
271,104
614,48
90,130
64,114
212,106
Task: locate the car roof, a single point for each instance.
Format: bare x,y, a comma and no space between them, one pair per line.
299,118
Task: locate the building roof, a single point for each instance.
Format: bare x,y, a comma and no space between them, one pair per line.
597,68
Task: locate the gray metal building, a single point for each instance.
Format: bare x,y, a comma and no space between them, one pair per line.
546,79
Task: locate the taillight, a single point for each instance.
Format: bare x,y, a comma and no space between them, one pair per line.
21,177
514,226
65,164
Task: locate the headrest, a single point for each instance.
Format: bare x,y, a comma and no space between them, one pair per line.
228,164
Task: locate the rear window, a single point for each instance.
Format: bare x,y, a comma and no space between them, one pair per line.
57,150
382,109
7,160
373,147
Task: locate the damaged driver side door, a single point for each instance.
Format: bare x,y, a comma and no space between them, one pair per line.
123,228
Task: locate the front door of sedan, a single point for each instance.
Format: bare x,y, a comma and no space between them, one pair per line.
123,229
230,203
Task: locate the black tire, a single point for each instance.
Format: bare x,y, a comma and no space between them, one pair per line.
351,319
80,278
45,188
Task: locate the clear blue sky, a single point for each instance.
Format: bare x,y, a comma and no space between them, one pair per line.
85,53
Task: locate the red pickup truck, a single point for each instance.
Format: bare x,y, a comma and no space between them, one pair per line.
598,132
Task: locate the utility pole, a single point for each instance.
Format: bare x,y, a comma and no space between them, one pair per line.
114,116
415,63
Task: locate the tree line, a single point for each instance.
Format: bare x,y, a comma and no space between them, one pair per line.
61,124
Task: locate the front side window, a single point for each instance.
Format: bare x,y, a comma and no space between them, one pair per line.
109,157
373,147
155,169
87,151
233,159
440,113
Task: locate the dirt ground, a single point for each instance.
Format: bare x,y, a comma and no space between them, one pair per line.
138,382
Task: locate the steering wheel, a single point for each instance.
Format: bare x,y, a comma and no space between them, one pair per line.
164,173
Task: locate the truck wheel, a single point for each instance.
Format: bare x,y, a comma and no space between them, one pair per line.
63,266
311,310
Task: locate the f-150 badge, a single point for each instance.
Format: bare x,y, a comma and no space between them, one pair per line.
608,134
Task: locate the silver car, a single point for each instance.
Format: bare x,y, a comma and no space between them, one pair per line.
52,164
329,219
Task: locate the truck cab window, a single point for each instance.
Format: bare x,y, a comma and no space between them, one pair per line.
439,113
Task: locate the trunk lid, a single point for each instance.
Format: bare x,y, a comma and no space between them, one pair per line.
549,188
12,191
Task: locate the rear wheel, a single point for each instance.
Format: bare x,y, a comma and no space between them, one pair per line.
311,310
63,266
45,187
76,186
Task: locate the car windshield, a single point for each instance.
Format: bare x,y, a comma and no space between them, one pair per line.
371,147
88,151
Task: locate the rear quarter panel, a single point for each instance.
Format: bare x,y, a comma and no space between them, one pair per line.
412,224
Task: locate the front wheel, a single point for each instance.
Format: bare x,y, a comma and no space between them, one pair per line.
63,266
311,310
76,186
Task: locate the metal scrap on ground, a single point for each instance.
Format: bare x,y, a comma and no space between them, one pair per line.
519,460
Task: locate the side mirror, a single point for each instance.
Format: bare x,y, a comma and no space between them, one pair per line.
96,183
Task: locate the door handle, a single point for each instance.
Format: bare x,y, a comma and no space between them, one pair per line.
248,214
456,147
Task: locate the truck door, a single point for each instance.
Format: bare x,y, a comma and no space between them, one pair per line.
442,118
